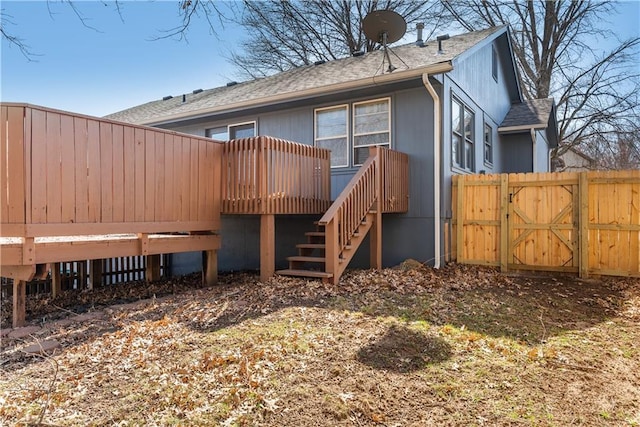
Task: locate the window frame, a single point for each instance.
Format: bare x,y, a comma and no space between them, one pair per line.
207,132
463,162
251,122
345,136
488,145
353,131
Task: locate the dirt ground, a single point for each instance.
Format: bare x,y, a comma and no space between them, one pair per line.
410,346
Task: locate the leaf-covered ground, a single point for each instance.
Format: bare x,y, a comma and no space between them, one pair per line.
402,347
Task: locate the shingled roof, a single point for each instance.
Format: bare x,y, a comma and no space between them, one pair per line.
532,113
309,80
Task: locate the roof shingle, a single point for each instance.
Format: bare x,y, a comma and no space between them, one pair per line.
303,78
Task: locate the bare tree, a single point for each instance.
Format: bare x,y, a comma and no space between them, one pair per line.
556,48
286,34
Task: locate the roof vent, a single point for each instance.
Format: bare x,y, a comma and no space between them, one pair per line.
320,62
231,84
357,53
166,98
197,91
184,98
440,39
419,41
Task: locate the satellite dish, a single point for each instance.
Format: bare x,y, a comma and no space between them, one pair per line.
380,23
384,27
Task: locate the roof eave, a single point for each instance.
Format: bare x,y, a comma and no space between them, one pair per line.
441,67
521,128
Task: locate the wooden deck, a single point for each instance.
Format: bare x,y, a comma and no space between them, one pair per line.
75,187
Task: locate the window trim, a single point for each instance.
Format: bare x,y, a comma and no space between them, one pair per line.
353,113
251,122
347,128
463,138
489,144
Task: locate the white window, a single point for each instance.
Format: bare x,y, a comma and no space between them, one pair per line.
242,130
488,144
462,135
331,131
235,131
371,126
220,133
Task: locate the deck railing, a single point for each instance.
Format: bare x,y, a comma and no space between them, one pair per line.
395,183
380,185
68,174
265,175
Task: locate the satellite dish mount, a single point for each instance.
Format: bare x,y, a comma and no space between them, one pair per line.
384,27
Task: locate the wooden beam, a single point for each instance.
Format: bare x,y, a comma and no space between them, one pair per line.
18,272
460,221
95,274
152,272
209,268
19,302
56,277
504,222
267,247
583,225
375,241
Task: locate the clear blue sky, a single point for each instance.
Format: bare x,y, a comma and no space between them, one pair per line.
120,65
99,72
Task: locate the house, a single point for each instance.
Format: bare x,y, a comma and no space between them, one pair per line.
453,109
573,160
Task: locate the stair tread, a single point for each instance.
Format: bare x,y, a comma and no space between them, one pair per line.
315,233
311,245
304,273
306,258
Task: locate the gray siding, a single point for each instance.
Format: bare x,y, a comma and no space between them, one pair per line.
517,153
542,152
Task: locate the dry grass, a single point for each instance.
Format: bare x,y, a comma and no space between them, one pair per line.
459,346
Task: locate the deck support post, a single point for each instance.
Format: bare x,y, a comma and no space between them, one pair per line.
56,278
95,274
209,268
19,302
267,246
375,239
152,271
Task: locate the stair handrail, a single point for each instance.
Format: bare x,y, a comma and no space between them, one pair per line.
342,219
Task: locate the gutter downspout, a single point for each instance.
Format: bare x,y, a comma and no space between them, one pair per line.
533,139
437,115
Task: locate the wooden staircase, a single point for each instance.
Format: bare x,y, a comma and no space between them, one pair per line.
311,258
379,186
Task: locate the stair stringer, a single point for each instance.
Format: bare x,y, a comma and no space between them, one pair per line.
357,238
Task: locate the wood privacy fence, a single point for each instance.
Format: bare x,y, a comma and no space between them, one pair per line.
266,175
75,175
580,222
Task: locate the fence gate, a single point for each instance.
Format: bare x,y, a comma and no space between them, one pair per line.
586,222
542,221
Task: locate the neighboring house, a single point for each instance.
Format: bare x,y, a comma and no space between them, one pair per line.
455,111
573,160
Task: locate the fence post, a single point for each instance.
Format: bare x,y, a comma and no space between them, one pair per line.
583,226
460,221
504,222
